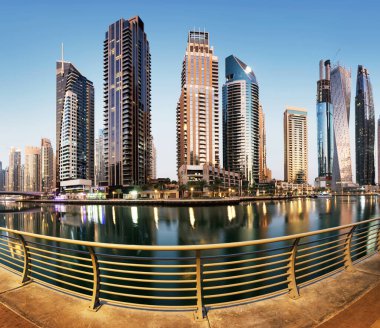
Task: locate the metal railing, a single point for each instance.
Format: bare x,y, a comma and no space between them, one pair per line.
192,277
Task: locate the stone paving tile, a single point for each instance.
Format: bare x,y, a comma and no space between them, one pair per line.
9,319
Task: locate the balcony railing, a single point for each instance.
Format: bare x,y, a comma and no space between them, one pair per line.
195,277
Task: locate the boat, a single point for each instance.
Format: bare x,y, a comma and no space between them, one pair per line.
324,194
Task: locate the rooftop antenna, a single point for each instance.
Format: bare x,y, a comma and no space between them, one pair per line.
62,69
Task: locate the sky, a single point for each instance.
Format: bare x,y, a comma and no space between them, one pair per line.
282,41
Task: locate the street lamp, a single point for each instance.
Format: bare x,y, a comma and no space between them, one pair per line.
113,195
229,192
155,193
191,189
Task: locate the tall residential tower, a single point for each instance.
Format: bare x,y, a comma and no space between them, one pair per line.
198,105
32,169
295,145
364,129
241,140
341,98
74,125
127,104
325,127
47,165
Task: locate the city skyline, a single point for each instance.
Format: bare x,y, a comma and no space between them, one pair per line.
160,112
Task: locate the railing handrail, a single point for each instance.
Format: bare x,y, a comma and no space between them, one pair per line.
187,247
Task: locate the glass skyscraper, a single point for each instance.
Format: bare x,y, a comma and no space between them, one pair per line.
241,141
325,127
341,98
127,104
364,129
198,105
74,125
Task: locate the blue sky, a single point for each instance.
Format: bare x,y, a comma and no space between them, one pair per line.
282,41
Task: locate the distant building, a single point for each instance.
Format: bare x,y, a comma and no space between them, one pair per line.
14,171
211,174
364,129
265,175
341,98
74,125
2,177
32,169
100,170
154,161
198,105
127,103
295,145
378,151
325,125
47,166
241,131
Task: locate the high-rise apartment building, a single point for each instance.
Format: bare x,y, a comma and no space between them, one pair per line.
295,145
154,160
14,171
341,98
378,151
265,175
241,131
127,103
32,169
198,105
74,125
325,125
47,165
100,176
364,129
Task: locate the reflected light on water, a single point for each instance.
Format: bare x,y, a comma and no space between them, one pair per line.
231,213
113,215
192,217
135,215
155,216
264,208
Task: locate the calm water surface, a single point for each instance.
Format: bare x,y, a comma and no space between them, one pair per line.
149,225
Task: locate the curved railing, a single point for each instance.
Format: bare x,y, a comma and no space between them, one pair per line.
192,277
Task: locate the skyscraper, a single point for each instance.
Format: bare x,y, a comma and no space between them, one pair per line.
265,175
127,103
378,151
74,125
32,169
325,127
47,165
14,170
100,176
341,98
198,105
241,140
364,129
295,145
154,160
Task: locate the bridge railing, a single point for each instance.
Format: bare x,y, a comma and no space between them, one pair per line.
193,277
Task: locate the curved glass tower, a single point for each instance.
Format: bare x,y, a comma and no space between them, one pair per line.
364,129
241,120
341,97
324,124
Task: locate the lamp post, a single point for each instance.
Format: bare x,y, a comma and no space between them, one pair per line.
113,195
191,189
155,193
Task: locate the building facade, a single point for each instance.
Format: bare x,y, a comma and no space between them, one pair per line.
341,98
14,171
2,177
265,174
47,166
198,106
241,130
378,151
295,145
325,125
127,103
100,174
364,129
32,169
74,125
154,161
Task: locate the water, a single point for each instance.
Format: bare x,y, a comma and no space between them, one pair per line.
149,225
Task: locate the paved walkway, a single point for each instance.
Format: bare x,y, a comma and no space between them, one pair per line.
337,301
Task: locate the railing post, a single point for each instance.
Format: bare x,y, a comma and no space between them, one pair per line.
378,239
25,272
95,302
292,284
347,251
200,313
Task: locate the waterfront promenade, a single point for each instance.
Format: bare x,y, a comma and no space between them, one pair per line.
346,299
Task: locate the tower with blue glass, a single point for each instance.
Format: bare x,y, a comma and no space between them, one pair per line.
325,126
241,120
